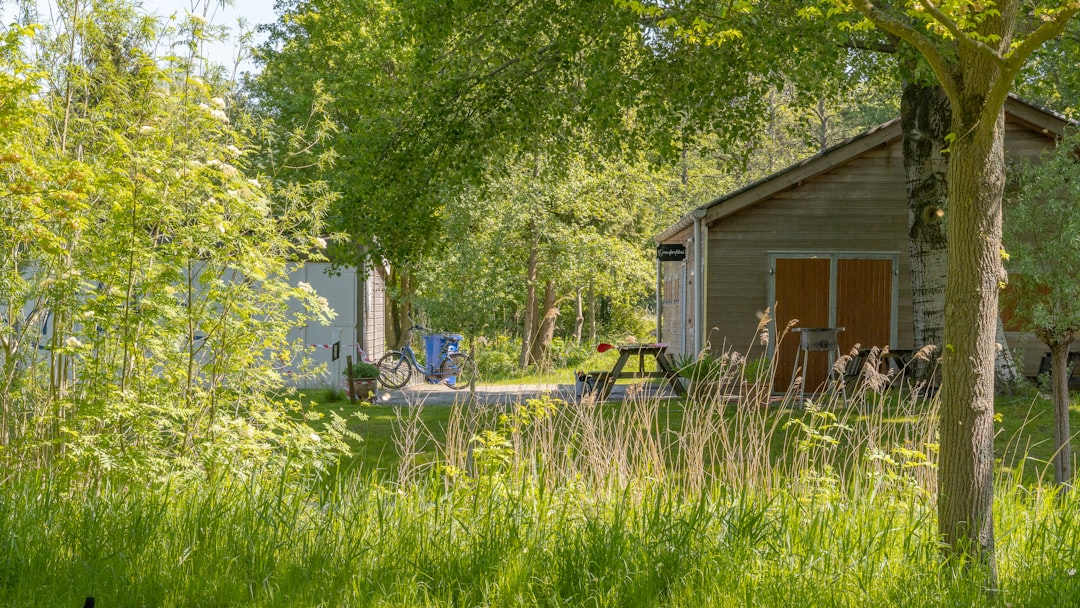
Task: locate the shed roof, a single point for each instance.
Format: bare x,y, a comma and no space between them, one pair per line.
1036,117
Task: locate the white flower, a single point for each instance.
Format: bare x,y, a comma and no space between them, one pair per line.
315,437
217,102
146,129
320,242
219,115
204,107
305,287
231,149
255,182
196,18
72,342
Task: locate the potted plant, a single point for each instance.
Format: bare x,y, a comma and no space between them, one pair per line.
365,378
757,385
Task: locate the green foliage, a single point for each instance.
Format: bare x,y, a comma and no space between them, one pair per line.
144,261
847,532
1041,228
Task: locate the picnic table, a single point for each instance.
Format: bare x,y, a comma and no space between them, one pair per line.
602,381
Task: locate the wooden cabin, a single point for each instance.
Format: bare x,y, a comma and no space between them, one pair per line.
826,240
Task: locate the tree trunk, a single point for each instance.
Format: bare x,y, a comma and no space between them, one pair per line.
1059,379
925,117
528,329
1006,374
592,314
966,464
579,320
545,332
396,315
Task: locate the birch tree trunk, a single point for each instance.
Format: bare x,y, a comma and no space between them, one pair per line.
925,117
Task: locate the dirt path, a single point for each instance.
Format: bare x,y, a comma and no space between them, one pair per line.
502,394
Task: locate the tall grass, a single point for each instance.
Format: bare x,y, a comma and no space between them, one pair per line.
547,503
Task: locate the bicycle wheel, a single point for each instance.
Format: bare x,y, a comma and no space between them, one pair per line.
461,368
394,370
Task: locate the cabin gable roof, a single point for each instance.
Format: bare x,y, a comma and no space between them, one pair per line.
1033,116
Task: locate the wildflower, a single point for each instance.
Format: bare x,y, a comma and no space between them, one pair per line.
219,115
315,437
218,103
305,287
146,129
72,342
231,149
255,183
320,242
196,18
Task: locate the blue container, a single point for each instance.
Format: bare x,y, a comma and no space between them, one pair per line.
437,346
433,347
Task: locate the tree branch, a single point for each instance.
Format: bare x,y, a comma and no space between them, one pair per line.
958,34
1015,59
923,43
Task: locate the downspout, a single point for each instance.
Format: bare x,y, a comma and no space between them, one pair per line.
699,283
682,306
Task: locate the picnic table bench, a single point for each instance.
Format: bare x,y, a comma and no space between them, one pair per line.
602,381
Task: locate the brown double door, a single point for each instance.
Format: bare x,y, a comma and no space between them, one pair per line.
848,292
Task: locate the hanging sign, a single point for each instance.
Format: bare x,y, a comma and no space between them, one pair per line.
666,252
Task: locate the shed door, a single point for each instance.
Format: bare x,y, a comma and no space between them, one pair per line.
863,302
854,293
802,293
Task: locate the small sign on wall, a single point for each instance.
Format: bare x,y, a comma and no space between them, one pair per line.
667,252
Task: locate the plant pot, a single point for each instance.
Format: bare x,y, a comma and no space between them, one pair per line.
365,388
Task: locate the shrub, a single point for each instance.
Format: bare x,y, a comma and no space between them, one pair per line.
363,371
496,364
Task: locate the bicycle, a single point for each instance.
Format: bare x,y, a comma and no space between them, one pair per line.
453,367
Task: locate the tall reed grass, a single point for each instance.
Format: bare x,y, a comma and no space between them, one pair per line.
549,503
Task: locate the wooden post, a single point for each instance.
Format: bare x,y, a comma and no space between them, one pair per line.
349,376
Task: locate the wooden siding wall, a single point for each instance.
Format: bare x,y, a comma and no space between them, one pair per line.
860,206
857,207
